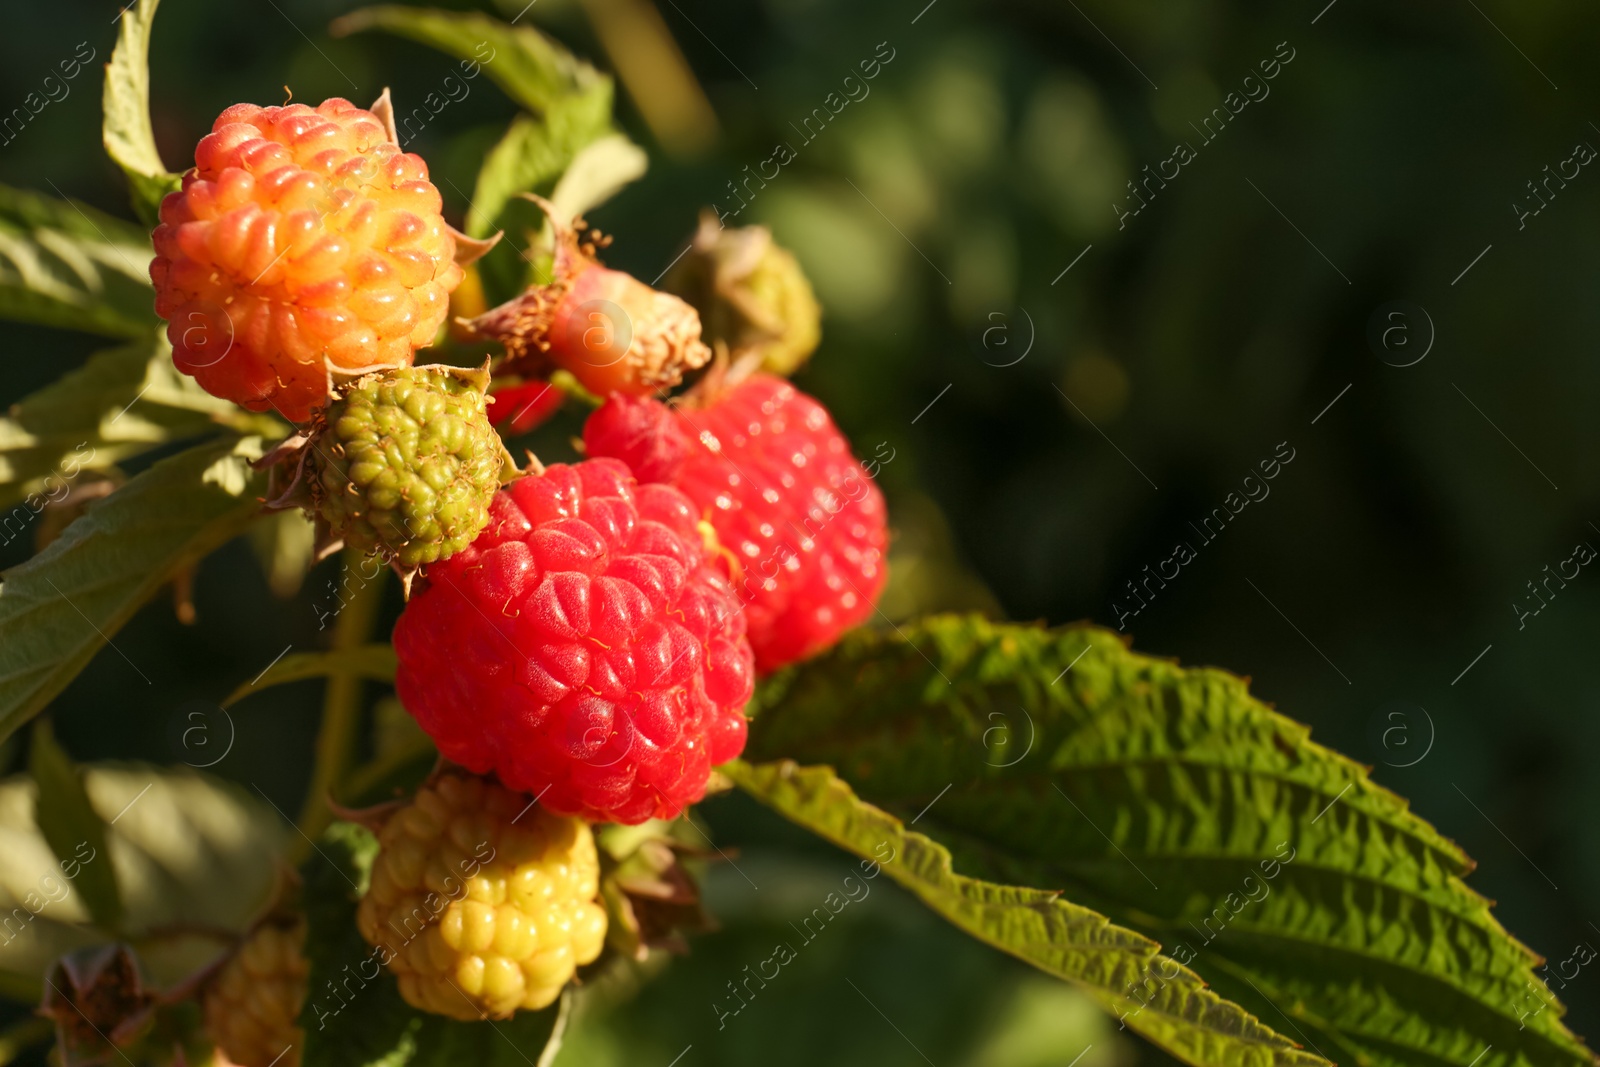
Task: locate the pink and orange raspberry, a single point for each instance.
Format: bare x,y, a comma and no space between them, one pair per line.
303,241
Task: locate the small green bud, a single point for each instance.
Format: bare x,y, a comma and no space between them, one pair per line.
751,294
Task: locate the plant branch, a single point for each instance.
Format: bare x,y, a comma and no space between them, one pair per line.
341,705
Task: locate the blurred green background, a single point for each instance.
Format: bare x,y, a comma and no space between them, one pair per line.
1054,430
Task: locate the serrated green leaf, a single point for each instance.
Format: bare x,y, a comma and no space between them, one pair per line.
534,70
120,403
196,860
353,1016
374,662
57,609
1123,971
126,129
1179,805
68,822
66,264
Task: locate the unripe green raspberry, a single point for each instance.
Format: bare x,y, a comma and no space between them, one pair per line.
406,463
481,902
751,295
253,1004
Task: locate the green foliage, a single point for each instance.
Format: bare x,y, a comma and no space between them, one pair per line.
65,264
374,662
120,403
1176,803
128,137
598,173
533,70
67,819
530,157
196,861
1123,971
284,544
570,102
354,1016
58,608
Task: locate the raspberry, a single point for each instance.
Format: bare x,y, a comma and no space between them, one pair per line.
776,479
253,1004
751,294
525,406
406,463
584,647
302,241
482,902
608,329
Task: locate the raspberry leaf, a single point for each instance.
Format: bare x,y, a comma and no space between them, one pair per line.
68,821
1123,971
597,174
354,1017
533,70
120,403
372,662
531,157
60,607
196,861
65,264
129,139
1172,801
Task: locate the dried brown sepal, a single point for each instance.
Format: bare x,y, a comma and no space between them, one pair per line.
651,896
98,999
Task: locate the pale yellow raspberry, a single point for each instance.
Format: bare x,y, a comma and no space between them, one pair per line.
252,1006
482,903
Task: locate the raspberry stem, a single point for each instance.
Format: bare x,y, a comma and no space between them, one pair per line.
341,702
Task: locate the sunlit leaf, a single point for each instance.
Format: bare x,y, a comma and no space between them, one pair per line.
196,860
598,173
66,264
1122,970
69,823
60,607
531,157
533,70
1177,804
120,403
127,133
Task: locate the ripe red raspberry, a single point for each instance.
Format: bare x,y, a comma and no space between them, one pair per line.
775,477
585,647
303,239
525,406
